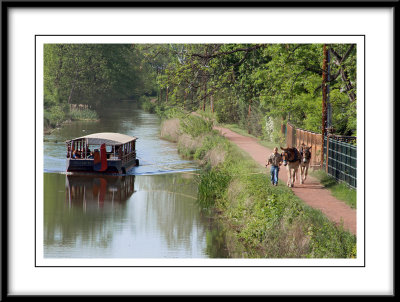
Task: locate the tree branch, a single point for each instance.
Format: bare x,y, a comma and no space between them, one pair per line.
211,56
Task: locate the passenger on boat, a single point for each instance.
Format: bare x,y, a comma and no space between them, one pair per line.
118,151
77,154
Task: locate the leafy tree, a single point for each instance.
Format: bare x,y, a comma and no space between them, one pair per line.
241,83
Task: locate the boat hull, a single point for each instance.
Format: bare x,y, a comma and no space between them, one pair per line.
87,165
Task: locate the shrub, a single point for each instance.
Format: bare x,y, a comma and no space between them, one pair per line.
212,185
54,116
84,114
195,125
148,106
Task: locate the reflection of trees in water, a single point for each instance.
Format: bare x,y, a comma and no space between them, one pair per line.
216,241
171,204
177,183
85,212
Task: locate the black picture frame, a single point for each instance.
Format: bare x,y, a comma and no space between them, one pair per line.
7,6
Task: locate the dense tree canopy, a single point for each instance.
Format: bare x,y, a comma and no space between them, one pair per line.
241,83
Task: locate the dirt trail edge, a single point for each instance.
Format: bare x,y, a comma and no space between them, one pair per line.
311,192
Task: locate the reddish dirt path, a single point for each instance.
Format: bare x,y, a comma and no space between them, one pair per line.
311,192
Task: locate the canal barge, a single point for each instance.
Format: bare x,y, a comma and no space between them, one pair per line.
105,152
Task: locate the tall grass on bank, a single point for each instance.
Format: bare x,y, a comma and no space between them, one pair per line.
56,115
83,115
261,221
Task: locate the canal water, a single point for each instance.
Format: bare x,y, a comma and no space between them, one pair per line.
151,212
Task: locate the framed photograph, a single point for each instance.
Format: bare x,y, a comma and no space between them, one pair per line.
136,139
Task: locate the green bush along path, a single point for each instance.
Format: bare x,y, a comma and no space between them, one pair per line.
312,192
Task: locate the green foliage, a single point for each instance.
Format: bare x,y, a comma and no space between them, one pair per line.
328,241
209,142
212,184
93,74
84,114
243,83
239,83
171,112
54,116
195,125
262,221
146,104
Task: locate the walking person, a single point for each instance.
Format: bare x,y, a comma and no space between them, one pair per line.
275,160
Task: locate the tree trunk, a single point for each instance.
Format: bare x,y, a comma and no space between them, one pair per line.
73,87
324,77
248,117
348,84
283,126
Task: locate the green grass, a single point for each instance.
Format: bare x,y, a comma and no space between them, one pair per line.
338,189
195,125
261,221
83,115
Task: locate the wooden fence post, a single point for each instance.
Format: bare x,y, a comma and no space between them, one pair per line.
327,152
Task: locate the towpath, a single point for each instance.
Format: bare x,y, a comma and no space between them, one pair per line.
311,192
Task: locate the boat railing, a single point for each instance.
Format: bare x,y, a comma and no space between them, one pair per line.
129,157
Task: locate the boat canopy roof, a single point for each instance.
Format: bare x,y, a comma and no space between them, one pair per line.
108,138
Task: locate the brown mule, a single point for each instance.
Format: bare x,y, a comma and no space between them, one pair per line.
305,153
291,159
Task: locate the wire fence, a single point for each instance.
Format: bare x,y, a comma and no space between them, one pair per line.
341,160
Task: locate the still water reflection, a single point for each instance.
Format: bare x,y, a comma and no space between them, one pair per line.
150,213
123,216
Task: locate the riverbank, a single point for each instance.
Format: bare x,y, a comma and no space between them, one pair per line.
55,121
49,129
260,220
